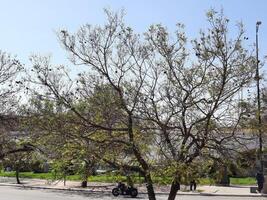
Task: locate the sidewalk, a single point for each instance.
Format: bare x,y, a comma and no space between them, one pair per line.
107,187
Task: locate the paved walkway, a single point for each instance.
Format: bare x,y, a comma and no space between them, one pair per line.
107,187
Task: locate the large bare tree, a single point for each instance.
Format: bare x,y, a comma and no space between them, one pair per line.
194,96
163,104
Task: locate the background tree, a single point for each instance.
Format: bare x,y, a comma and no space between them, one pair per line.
10,84
18,162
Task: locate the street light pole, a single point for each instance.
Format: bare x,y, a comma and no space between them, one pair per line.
257,77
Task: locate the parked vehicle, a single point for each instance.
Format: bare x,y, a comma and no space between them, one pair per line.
122,189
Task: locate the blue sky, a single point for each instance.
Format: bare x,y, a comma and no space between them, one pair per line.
29,26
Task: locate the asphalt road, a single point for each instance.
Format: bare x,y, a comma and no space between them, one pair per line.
16,193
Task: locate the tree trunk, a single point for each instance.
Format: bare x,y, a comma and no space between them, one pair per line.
64,180
225,180
129,181
17,176
174,189
149,187
88,168
85,177
141,160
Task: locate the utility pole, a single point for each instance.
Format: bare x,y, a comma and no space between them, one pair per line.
257,77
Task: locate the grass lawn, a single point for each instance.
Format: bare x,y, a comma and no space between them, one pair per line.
27,175
98,178
111,178
233,181
243,181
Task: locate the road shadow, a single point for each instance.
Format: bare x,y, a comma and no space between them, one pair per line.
241,186
87,194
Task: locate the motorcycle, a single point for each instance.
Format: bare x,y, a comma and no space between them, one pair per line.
122,189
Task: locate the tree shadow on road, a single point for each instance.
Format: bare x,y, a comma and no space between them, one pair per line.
88,194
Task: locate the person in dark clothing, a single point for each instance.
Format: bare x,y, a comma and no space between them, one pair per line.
193,185
260,181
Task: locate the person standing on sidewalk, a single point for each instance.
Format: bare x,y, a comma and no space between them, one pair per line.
260,181
193,185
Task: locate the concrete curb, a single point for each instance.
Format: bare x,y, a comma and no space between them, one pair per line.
109,192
